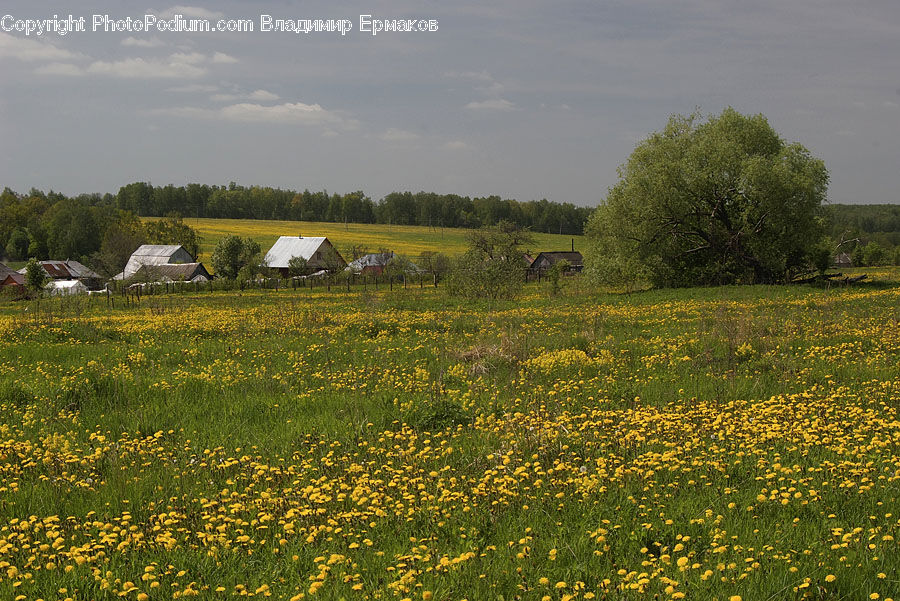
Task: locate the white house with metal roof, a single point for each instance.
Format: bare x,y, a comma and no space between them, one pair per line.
154,254
315,251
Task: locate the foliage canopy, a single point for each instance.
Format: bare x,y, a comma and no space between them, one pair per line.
715,202
232,254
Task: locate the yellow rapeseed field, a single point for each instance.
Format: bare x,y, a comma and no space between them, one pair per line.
409,240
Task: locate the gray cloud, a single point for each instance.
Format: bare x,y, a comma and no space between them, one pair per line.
296,113
519,98
153,42
493,104
191,11
31,50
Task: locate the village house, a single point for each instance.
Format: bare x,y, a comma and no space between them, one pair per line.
318,252
180,272
154,254
375,264
546,260
69,270
11,278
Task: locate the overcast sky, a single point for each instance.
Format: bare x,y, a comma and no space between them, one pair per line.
521,98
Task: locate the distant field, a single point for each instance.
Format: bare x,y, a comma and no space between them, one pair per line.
408,240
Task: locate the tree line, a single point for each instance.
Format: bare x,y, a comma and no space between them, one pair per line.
398,208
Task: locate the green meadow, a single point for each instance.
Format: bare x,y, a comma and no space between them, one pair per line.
714,443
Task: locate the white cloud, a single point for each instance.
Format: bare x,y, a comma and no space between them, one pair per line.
142,42
192,58
475,75
398,135
224,97
180,65
456,145
258,95
193,88
296,113
31,50
494,104
67,69
223,59
263,95
139,68
484,84
190,11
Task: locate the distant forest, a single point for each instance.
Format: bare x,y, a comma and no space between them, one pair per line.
869,223
398,208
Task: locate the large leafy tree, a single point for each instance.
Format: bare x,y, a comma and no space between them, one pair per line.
232,254
720,201
122,237
172,230
73,229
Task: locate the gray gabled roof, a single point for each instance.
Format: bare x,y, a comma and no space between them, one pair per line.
372,260
573,257
172,272
5,271
288,247
156,250
65,270
379,260
154,254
